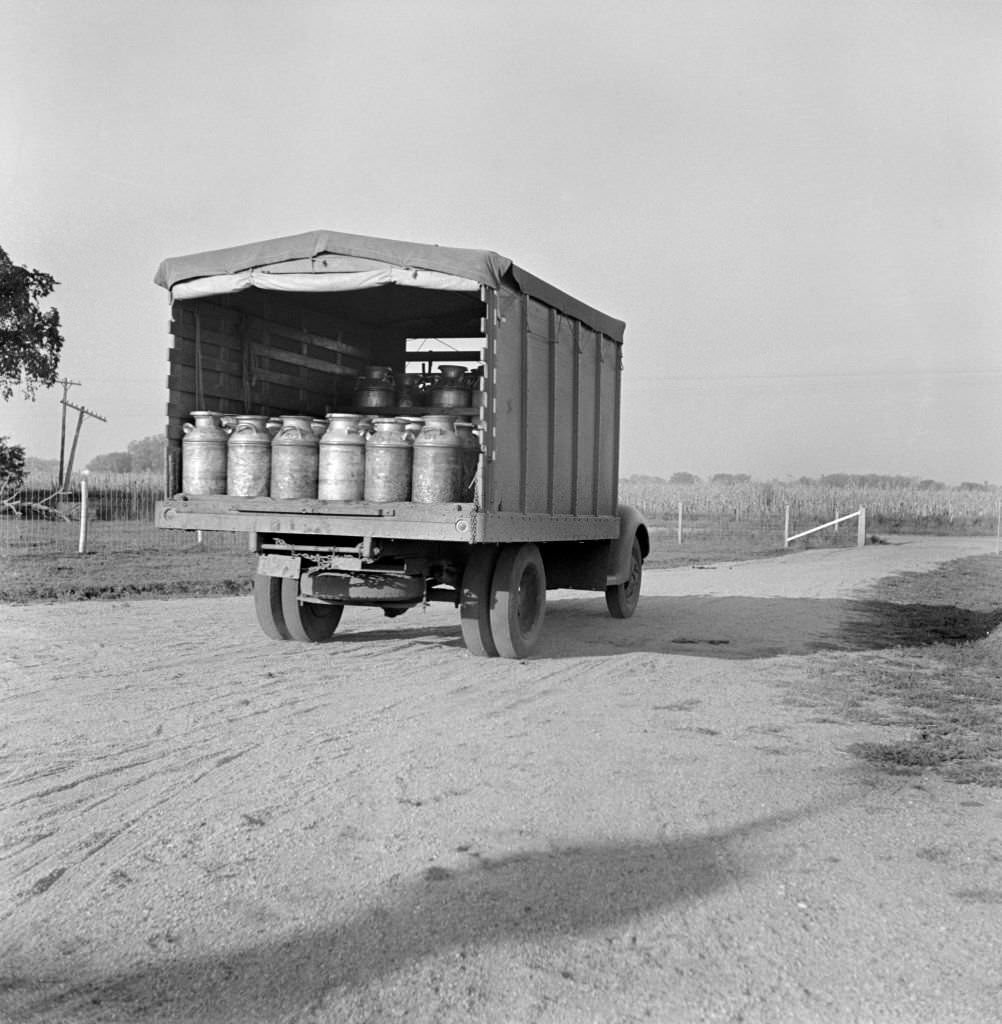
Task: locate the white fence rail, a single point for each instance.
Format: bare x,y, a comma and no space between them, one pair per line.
859,515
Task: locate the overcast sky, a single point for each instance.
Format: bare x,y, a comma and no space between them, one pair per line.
795,206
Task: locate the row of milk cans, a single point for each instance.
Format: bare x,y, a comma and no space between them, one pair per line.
344,457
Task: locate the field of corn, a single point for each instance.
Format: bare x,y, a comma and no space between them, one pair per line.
889,509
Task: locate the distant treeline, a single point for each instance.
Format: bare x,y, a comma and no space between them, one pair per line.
870,481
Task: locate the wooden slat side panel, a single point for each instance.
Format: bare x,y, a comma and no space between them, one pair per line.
538,318
587,422
564,430
608,428
538,426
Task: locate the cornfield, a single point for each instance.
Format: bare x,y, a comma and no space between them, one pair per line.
891,509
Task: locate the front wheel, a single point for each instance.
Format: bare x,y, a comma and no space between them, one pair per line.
621,599
518,600
306,621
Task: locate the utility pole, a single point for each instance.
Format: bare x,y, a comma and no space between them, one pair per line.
64,480
67,384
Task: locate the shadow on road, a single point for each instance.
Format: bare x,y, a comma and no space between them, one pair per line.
522,896
755,627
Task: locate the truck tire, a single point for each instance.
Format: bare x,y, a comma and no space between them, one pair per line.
475,602
518,600
621,599
268,606
306,621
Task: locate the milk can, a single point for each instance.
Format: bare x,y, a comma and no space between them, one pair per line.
471,457
438,462
450,389
375,388
319,427
409,390
294,454
248,461
388,452
341,474
203,455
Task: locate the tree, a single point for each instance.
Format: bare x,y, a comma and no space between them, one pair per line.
30,342
684,478
11,467
112,462
148,454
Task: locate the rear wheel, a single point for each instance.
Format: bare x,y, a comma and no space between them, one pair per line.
518,600
306,621
268,606
475,602
621,599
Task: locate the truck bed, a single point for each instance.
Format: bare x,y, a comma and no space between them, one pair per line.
461,522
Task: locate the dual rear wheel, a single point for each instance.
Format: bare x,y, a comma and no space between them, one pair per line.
503,600
283,616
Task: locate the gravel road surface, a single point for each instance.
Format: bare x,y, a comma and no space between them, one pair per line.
647,820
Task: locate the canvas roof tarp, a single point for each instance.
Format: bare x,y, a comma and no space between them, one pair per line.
332,261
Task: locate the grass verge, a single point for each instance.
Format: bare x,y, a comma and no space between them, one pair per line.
948,696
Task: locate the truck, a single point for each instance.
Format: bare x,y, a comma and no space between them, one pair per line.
290,325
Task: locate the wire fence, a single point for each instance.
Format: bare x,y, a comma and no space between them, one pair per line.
40,518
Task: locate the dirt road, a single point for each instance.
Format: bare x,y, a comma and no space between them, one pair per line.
647,820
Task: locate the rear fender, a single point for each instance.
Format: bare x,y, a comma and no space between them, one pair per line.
631,524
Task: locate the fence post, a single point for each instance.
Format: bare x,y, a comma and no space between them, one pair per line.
680,522
861,528
82,542
786,528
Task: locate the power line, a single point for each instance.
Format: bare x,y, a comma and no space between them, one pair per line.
834,375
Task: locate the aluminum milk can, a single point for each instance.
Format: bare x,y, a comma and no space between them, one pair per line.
375,388
203,455
341,474
471,457
408,390
388,453
438,462
294,456
450,388
248,457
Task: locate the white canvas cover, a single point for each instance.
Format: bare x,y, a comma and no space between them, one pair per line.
227,284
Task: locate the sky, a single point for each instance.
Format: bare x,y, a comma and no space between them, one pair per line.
795,206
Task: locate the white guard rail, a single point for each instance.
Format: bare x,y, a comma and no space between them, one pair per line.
859,515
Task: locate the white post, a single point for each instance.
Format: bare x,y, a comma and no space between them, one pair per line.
680,522
786,528
82,543
861,528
